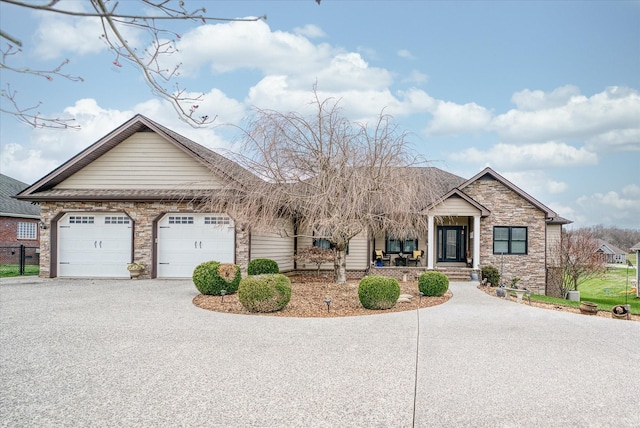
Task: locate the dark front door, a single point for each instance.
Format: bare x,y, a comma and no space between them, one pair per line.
451,244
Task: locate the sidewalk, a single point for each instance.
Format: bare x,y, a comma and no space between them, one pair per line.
138,353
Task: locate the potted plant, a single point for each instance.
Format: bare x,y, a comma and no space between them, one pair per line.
135,269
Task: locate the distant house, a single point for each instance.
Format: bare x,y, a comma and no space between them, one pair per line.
137,195
18,219
610,253
636,249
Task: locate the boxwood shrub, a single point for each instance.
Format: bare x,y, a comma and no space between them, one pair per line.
265,293
433,283
261,266
378,292
211,277
492,274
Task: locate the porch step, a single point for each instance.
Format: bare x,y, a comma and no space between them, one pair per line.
456,274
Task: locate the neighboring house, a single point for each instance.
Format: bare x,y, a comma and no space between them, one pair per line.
135,195
636,249
18,219
610,253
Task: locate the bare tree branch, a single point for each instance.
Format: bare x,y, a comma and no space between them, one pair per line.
337,178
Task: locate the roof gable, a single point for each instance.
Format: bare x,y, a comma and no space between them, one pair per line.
550,214
218,165
457,194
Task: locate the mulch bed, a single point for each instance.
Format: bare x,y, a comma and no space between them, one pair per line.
308,300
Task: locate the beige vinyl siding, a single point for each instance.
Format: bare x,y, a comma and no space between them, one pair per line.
143,161
554,238
357,259
272,245
454,206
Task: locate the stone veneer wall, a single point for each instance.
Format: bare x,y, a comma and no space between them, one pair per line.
509,209
143,214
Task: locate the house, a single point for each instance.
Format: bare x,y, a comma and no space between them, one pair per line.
636,249
610,253
19,222
136,194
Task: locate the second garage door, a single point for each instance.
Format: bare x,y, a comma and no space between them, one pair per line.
186,240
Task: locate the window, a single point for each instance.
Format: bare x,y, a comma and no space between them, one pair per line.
181,220
116,220
395,245
509,240
217,220
27,230
323,243
81,219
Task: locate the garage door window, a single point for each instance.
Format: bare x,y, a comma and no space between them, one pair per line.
81,219
116,220
180,220
217,220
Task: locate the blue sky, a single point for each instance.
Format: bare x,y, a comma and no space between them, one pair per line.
547,93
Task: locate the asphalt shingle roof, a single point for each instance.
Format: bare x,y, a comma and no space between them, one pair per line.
9,187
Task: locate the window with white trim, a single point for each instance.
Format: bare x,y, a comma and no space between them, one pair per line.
116,220
181,220
81,219
27,230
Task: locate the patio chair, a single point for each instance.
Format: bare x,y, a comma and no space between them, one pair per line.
383,258
416,257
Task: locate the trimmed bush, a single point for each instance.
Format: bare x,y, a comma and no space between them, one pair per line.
262,266
378,292
433,283
492,274
212,277
265,293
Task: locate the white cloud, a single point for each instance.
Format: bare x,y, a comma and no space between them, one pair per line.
416,77
310,31
602,119
616,208
404,53
451,118
556,186
513,157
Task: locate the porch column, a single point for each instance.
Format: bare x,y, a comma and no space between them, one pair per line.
431,237
476,241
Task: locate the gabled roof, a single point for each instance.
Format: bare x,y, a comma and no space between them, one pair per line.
484,211
11,207
43,189
608,248
550,214
636,247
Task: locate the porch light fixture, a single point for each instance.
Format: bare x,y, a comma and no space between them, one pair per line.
42,225
328,302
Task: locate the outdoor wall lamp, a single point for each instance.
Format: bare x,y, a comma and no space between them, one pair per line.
43,226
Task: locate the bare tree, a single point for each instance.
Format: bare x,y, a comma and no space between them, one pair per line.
152,19
338,179
315,255
579,260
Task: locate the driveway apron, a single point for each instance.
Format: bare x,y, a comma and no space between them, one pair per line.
138,353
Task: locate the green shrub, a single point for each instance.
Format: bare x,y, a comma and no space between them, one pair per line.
212,277
433,283
261,266
378,292
492,274
265,293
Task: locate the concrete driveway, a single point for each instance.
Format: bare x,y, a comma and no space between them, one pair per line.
80,353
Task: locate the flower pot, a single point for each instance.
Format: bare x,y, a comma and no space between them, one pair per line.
620,312
135,273
501,292
588,308
474,276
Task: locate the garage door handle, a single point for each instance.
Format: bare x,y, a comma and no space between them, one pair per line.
95,244
195,244
200,244
100,244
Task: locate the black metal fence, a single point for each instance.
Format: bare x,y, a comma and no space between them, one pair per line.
19,260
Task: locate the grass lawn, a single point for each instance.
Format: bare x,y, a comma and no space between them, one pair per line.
607,291
14,270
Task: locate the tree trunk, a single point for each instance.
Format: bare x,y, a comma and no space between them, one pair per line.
340,266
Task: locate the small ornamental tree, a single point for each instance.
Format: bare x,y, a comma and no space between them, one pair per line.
315,255
579,260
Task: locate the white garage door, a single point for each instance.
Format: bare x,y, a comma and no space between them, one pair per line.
94,245
186,240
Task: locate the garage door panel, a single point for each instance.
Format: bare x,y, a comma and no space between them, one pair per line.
186,240
94,245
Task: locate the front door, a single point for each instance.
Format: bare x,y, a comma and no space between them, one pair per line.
451,244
